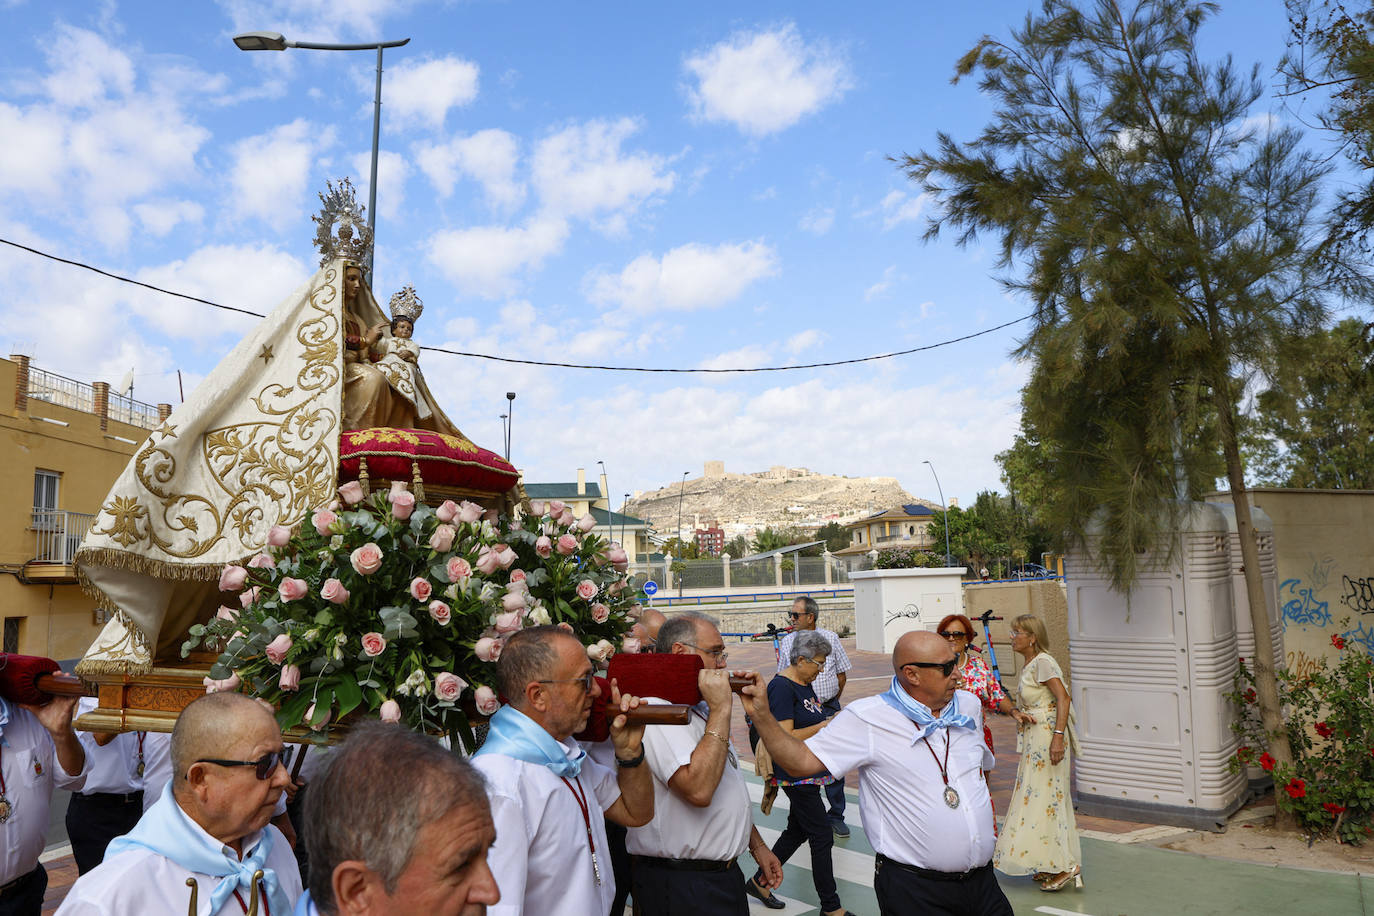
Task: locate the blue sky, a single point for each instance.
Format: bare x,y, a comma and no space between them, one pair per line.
695,185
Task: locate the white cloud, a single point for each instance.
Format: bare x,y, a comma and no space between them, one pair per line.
803,341
488,157
899,207
764,82
685,278
85,69
426,90
270,171
582,172
882,286
160,217
746,357
818,221
33,154
486,260
315,20
392,172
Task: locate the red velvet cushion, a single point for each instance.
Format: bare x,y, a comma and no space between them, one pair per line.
446,461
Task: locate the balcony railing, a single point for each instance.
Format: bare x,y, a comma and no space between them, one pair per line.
59,534
58,389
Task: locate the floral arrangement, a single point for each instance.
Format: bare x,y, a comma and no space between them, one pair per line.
381,605
1329,714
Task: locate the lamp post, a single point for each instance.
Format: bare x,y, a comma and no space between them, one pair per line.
505,436
606,492
681,544
274,41
948,560
510,411
623,500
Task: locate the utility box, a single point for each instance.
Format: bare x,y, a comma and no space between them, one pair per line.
1150,670
890,602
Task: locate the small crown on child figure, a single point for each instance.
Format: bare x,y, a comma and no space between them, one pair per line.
405,304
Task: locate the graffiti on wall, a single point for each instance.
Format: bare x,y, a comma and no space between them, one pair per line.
1300,664
1360,636
1301,606
1358,594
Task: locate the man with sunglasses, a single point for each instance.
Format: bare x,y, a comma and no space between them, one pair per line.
548,798
829,684
210,827
920,756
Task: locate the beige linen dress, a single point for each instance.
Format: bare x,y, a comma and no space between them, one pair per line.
1039,834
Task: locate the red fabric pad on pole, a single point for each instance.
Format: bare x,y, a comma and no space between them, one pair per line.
30,679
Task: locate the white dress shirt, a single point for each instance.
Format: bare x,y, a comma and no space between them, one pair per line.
113,767
28,760
541,859
827,683
143,882
901,792
680,830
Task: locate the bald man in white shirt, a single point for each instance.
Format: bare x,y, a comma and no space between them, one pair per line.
920,756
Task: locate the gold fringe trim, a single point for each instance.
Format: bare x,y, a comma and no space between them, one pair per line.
90,667
115,558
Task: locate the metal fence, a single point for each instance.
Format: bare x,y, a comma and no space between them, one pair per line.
59,533
752,573
135,413
58,389
702,574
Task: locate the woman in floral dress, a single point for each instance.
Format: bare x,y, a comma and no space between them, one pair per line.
1039,836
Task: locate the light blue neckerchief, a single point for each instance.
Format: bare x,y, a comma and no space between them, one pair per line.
920,713
305,906
166,830
516,735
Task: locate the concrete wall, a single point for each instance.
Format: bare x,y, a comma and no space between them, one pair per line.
1008,600
1324,541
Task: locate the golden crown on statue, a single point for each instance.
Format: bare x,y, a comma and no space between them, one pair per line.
406,304
353,240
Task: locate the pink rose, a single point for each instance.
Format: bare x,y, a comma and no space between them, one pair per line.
232,578
487,703
278,536
290,677
334,592
227,613
469,512
441,612
373,644
351,493
397,488
566,544
600,651
389,711
447,511
487,649
448,686
293,589
262,561
323,520
442,538
618,557
518,575
310,714
634,611
586,523
488,561
508,622
586,590
536,507
556,507
458,569
616,587
513,600
567,519
402,504
543,546
276,649
221,686
566,627
630,645
600,613
366,560
248,597
505,554
420,589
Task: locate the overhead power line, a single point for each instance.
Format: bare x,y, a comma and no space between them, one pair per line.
537,362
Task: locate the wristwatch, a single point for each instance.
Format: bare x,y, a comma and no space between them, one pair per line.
633,761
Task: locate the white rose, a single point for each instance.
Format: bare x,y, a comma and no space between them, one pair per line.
540,616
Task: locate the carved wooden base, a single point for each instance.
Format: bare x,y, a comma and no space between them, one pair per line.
146,702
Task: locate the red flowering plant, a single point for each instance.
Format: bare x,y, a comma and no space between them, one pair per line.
387,607
1330,720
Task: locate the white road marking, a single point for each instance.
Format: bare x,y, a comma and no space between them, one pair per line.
1055,911
854,867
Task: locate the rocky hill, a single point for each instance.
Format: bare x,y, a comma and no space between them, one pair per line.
773,498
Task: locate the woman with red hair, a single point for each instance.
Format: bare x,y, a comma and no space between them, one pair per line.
957,630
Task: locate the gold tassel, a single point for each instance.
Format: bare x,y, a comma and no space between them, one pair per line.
419,483
362,476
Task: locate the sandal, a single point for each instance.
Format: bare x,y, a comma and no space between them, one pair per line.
1061,881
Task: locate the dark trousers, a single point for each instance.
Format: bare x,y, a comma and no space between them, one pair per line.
902,891
94,820
807,823
834,793
663,891
24,896
620,866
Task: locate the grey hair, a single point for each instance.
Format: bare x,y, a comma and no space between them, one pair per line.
809,606
682,628
359,808
528,655
808,643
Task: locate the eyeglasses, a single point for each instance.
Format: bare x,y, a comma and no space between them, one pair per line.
585,680
807,658
794,615
954,634
946,668
714,653
266,764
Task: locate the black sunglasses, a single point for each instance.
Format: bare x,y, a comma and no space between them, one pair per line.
795,615
266,764
585,680
946,668
953,634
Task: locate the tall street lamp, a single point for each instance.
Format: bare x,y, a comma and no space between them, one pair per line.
606,493
623,500
948,559
274,41
510,412
681,544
